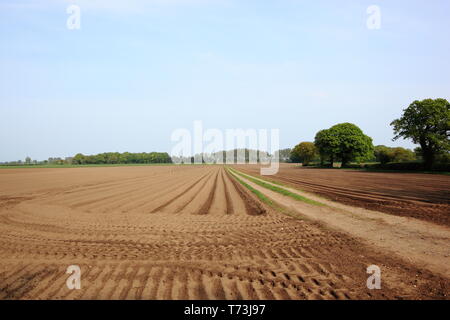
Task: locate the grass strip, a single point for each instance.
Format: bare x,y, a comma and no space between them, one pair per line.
279,190
260,196
267,201
281,184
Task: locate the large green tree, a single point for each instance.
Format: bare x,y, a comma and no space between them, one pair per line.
326,144
427,123
353,144
304,152
345,142
79,158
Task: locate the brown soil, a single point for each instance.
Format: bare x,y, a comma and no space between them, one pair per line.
178,232
422,196
424,243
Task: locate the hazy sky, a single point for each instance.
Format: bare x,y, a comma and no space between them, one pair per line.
137,70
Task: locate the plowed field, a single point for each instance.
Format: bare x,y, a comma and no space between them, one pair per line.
421,196
177,232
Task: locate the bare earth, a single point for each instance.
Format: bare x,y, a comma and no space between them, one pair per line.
181,232
421,196
424,243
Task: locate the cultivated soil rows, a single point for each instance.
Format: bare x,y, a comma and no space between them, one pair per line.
421,196
177,232
423,243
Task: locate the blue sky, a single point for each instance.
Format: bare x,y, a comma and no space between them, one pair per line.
137,70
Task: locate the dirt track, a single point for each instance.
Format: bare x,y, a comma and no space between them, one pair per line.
421,196
177,232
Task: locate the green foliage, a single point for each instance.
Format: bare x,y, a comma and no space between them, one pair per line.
122,158
284,155
427,123
443,158
326,144
345,142
79,159
385,154
56,161
304,152
353,144
403,155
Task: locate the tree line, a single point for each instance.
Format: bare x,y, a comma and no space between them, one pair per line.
234,155
425,122
122,158
101,158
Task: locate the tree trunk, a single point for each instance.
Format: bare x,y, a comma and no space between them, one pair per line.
428,158
428,155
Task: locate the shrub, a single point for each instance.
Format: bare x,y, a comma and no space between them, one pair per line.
408,166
